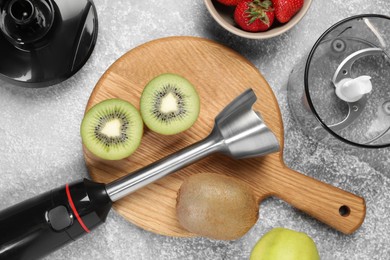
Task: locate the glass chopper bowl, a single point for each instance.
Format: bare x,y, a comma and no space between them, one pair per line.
340,93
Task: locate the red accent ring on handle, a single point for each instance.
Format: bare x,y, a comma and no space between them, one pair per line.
75,210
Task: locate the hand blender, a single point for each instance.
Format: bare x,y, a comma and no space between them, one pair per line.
40,225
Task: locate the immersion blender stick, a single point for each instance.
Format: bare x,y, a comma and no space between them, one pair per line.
40,225
239,132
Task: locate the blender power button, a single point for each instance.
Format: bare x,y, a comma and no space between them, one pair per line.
59,218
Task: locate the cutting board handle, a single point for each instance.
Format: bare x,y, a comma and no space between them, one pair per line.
339,209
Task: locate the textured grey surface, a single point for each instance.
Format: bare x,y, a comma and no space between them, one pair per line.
40,145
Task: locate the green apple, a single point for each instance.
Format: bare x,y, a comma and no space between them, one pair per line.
285,244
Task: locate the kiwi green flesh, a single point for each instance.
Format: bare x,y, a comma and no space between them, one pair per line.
112,129
216,206
169,104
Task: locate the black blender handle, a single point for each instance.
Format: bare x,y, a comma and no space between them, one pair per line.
40,225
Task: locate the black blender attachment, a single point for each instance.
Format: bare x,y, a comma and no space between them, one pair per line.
44,42
342,89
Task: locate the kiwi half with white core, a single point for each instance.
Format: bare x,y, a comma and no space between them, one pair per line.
169,104
112,129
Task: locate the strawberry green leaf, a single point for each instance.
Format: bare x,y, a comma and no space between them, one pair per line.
257,9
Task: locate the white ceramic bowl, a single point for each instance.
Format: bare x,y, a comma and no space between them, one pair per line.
224,16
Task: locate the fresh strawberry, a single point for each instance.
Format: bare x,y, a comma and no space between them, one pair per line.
285,9
254,15
229,2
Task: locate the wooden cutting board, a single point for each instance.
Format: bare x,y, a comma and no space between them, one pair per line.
219,75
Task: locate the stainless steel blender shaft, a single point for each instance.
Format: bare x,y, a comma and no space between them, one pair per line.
138,179
239,132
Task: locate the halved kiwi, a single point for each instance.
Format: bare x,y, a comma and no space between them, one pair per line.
169,104
112,129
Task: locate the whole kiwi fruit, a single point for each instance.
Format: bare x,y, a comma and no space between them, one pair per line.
216,206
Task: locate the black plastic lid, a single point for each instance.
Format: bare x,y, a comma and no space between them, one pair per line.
44,42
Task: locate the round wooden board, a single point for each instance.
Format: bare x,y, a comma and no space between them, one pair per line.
219,75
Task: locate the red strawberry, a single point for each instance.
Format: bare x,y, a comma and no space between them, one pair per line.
254,15
285,9
229,2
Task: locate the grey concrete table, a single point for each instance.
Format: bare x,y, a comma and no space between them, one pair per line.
40,144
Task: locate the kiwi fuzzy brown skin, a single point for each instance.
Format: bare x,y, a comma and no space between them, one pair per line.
216,206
